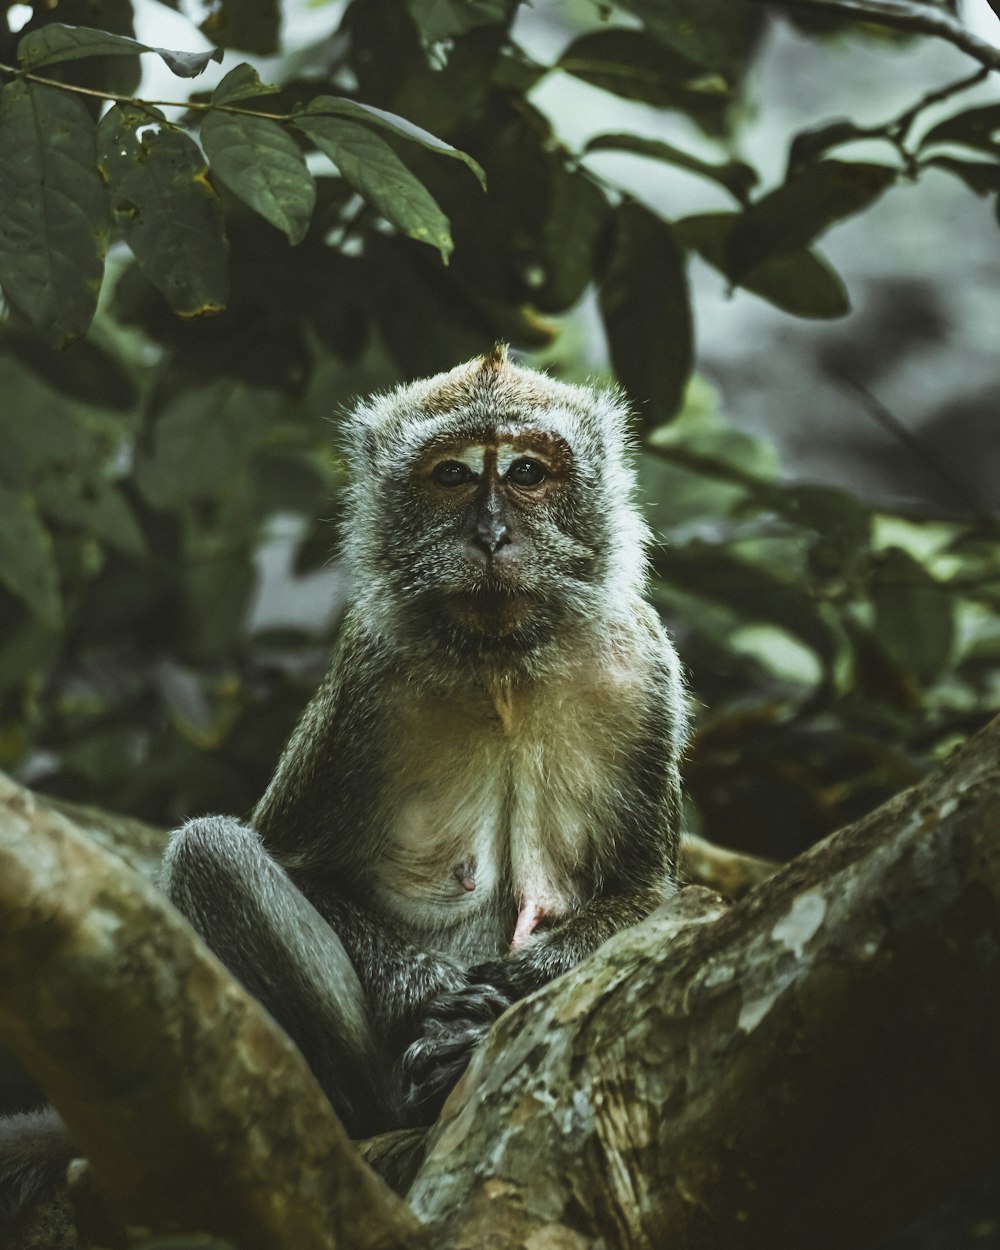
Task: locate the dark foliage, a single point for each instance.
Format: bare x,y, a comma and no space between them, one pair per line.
394,204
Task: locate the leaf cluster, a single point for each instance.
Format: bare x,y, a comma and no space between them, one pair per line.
834,650
191,287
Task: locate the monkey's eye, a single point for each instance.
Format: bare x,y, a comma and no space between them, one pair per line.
451,473
527,473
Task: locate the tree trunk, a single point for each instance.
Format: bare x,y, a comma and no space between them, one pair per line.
812,1066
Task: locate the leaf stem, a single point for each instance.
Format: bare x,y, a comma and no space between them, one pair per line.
898,130
199,105
903,124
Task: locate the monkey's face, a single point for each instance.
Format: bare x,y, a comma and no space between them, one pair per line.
491,511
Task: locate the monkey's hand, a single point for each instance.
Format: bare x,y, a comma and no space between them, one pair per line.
514,977
452,1026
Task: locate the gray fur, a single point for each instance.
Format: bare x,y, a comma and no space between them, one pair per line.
548,754
35,1149
486,785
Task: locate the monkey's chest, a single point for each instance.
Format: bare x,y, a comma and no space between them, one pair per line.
473,877
487,835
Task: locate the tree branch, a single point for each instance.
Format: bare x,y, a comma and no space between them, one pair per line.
919,19
196,1111
813,1067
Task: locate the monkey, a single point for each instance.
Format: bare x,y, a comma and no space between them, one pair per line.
486,785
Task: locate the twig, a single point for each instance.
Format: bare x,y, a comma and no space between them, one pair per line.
904,15
199,105
963,487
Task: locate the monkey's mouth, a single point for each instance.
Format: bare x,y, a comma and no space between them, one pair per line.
491,607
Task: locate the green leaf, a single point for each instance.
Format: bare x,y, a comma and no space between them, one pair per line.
168,212
982,177
810,144
375,171
975,128
201,446
717,34
646,312
335,106
799,282
800,210
630,64
36,431
739,179
98,509
241,83
750,590
447,19
573,219
262,165
57,42
841,524
27,560
802,283
84,371
53,209
914,614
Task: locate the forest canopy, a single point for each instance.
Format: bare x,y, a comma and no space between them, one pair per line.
194,285
207,250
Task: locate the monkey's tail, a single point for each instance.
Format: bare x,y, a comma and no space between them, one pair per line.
35,1148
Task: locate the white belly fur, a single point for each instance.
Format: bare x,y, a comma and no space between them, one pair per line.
513,781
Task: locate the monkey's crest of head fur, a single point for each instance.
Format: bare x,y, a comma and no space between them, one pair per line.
583,555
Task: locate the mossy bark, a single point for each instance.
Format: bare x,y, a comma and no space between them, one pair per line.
812,1065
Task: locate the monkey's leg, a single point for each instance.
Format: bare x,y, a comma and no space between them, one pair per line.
267,933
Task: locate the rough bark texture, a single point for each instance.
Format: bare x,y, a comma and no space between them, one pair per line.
196,1111
813,1066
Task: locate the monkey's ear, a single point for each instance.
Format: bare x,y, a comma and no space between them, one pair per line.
358,435
366,444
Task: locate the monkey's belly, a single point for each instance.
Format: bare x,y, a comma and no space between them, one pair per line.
467,910
471,930
486,833
446,895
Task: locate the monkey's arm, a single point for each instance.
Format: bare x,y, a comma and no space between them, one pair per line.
548,953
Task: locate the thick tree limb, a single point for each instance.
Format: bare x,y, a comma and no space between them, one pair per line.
196,1111
716,868
811,1068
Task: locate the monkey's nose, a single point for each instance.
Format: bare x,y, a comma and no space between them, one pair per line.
490,536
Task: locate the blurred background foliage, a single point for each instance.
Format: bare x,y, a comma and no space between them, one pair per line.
168,482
